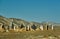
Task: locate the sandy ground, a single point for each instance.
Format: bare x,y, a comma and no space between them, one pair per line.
55,34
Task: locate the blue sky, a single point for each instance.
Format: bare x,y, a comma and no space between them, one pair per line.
31,10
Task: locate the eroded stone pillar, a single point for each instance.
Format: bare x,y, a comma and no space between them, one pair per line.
14,28
52,27
1,25
6,29
17,28
27,28
41,27
11,24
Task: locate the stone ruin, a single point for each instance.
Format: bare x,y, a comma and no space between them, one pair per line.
7,24
29,27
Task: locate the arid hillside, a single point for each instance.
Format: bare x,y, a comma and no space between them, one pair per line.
16,24
14,28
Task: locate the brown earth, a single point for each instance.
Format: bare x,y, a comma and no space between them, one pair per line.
46,34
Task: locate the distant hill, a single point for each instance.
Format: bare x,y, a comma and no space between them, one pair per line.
7,21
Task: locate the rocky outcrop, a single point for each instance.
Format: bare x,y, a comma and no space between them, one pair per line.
7,24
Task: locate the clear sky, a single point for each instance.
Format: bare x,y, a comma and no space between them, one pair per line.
31,10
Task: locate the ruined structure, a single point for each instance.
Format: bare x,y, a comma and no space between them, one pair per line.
1,25
41,27
48,26
8,24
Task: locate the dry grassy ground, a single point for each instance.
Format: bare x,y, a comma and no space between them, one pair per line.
31,35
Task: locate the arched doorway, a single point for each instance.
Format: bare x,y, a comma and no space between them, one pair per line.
22,26
33,27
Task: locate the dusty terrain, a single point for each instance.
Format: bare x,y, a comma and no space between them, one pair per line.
55,34
13,23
